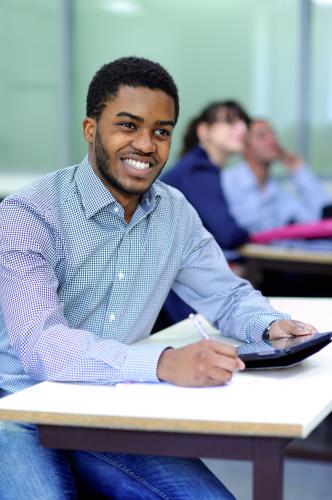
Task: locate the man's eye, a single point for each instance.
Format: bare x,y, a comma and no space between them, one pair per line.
127,125
163,132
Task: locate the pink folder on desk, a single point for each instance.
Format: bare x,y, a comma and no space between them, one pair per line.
311,230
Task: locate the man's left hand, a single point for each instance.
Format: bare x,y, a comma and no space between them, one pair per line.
291,160
290,328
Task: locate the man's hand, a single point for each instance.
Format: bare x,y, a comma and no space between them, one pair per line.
288,328
204,363
291,160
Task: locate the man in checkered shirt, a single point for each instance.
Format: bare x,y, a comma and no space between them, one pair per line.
88,256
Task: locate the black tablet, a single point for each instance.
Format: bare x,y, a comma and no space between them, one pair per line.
281,353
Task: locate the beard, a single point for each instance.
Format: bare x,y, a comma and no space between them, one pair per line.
103,162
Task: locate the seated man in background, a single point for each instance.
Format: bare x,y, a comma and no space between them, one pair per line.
257,201
211,138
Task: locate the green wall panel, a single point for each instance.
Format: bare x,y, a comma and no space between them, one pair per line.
29,85
215,49
320,144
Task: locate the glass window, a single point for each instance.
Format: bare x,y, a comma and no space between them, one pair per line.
320,130
29,90
214,49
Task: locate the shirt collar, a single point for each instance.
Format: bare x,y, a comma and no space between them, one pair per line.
248,178
151,197
95,196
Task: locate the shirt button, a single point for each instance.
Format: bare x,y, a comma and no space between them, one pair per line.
121,275
112,317
116,209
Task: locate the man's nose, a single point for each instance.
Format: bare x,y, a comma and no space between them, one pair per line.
144,141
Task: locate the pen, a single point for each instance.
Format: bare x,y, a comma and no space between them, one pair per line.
199,327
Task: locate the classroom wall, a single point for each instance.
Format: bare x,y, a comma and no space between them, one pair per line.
215,49
29,85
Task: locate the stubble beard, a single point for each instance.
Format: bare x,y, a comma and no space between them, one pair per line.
103,161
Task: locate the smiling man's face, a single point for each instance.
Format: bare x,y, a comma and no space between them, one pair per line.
130,143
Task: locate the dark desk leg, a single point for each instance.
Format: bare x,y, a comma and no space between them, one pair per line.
265,453
268,468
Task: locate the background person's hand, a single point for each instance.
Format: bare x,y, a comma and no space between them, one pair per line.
289,328
204,363
291,160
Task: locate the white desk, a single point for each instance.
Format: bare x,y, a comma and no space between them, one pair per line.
254,417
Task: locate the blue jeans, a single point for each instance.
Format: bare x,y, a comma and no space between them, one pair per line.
30,472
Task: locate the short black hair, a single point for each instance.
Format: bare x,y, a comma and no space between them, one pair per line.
133,72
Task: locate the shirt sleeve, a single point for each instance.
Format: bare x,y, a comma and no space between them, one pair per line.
276,205
311,191
206,282
244,203
48,348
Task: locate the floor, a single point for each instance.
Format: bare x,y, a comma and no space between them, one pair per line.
303,479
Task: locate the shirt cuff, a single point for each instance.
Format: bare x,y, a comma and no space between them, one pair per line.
141,363
258,327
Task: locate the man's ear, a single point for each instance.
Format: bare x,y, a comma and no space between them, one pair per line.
89,129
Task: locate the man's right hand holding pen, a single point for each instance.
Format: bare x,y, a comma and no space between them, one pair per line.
210,362
204,363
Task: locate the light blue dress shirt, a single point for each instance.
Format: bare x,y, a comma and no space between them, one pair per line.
79,286
258,209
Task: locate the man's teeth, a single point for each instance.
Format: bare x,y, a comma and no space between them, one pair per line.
140,165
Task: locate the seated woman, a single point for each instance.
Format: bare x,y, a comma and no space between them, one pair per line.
211,138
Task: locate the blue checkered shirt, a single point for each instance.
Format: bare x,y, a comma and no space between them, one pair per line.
79,286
